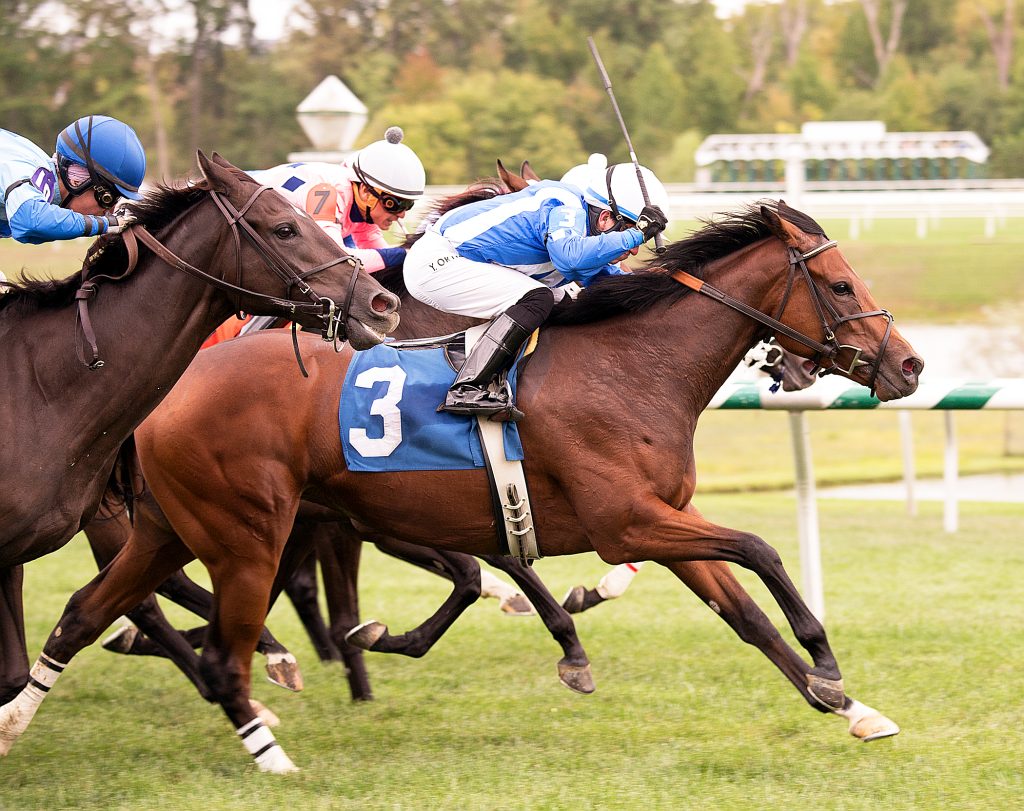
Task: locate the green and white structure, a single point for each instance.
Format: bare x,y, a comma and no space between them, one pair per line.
836,393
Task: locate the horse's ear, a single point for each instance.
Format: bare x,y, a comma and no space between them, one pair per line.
527,172
212,170
221,161
204,164
513,182
784,230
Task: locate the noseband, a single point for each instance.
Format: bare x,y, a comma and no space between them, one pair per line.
322,307
824,352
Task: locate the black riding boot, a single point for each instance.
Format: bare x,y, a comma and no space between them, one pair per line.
490,359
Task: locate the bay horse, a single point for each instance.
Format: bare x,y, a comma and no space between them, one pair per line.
613,393
87,358
338,547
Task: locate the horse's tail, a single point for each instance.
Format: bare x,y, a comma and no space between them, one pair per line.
126,483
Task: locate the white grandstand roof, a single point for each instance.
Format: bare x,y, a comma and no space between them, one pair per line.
842,140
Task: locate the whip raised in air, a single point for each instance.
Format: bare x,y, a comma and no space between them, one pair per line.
659,243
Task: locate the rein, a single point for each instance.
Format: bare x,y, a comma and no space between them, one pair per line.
319,306
823,351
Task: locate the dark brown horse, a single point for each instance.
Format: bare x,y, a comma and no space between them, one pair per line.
137,316
613,391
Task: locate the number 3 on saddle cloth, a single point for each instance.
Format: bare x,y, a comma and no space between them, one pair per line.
389,420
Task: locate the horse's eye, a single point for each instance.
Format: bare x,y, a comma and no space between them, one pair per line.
842,289
285,231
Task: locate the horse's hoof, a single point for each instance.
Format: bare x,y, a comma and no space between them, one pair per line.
576,678
122,639
867,723
283,670
367,635
573,601
827,692
265,715
517,606
275,761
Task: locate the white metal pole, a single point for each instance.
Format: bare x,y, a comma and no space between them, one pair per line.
909,473
807,515
950,516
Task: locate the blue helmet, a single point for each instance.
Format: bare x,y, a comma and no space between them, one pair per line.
109,148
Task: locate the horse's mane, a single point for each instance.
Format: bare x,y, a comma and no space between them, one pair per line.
107,255
653,284
485,188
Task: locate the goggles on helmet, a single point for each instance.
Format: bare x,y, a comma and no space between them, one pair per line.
78,179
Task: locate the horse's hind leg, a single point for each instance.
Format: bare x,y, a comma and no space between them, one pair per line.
717,587
612,586
574,668
13,653
122,585
462,570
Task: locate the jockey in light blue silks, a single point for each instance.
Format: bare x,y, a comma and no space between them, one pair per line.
70,194
508,258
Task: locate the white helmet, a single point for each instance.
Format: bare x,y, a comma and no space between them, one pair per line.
579,176
390,166
624,197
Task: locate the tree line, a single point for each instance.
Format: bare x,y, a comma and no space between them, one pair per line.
472,80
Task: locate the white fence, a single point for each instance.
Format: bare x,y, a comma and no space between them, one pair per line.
839,393
860,202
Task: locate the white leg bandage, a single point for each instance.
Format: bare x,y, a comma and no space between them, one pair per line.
491,586
264,748
615,583
16,716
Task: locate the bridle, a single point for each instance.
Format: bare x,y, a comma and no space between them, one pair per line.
321,307
824,352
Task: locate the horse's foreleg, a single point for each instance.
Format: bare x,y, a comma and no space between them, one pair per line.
150,620
574,668
717,587
659,532
339,549
302,590
13,652
282,668
462,570
241,599
117,589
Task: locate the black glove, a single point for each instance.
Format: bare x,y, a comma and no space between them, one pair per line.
651,222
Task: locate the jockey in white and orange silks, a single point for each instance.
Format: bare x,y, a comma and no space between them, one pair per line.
358,199
354,202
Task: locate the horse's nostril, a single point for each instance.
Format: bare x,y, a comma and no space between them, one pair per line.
912,367
383,303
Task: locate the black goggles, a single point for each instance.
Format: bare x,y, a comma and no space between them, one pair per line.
393,204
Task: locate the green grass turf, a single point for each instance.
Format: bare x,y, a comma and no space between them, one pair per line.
926,627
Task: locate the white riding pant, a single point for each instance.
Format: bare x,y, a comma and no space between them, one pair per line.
436,275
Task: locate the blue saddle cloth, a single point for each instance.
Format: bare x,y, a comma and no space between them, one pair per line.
388,415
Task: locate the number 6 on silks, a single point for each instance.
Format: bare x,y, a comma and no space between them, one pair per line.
385,407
